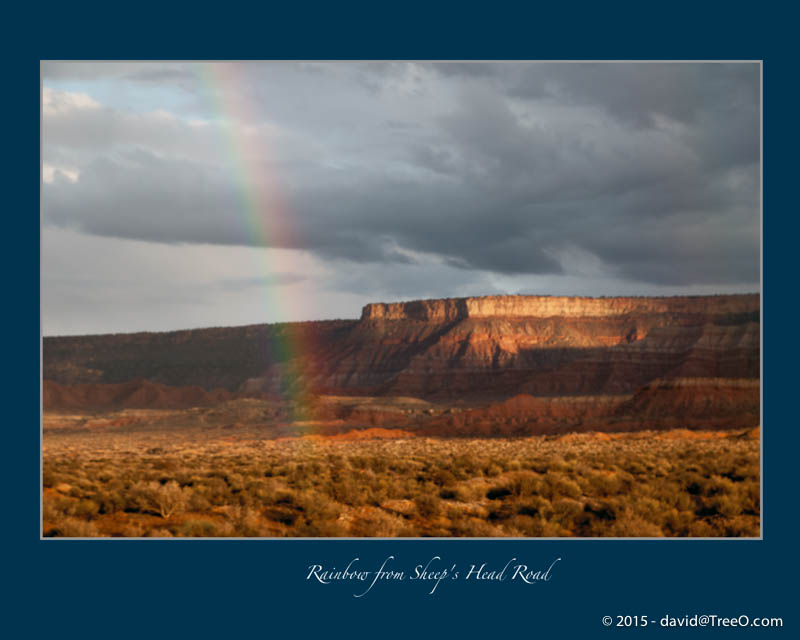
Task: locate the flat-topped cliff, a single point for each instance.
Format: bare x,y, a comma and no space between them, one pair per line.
490,347
451,309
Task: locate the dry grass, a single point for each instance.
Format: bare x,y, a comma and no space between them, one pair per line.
200,483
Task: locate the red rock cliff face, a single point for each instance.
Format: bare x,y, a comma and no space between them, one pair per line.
491,347
555,306
503,345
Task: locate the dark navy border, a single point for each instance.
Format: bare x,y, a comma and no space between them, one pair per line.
228,589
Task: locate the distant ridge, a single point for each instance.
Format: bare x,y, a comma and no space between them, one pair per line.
491,347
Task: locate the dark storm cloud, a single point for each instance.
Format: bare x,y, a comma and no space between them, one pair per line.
637,92
651,168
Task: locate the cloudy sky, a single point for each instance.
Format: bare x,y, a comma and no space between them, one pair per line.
180,195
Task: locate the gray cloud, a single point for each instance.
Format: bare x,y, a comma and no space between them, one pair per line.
653,169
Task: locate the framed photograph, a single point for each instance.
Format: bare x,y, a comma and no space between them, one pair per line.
579,357
360,332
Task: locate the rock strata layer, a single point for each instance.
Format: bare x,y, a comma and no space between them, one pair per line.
450,309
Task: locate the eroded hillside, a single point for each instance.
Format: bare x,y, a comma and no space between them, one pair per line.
490,348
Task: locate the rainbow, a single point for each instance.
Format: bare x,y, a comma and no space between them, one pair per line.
261,210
